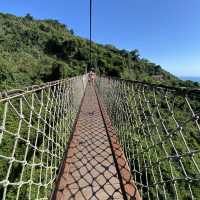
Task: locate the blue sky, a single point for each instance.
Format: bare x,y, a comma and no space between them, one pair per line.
166,32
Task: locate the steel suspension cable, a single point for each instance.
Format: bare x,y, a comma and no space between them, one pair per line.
90,33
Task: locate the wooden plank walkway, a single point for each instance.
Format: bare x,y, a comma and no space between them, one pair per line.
90,169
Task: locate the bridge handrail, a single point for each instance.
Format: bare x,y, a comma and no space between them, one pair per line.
159,129
13,93
35,127
180,90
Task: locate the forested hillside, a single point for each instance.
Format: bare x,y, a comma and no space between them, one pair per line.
34,51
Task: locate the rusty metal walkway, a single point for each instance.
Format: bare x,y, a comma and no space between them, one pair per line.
94,167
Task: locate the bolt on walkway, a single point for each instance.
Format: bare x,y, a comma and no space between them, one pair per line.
94,167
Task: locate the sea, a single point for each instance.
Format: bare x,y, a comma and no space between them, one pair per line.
195,79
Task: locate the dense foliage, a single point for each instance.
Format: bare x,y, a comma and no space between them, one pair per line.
34,51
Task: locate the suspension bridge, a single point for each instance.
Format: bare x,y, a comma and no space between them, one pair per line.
114,139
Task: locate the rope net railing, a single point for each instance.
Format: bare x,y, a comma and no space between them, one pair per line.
35,126
158,128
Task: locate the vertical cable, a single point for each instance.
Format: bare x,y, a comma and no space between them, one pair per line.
90,33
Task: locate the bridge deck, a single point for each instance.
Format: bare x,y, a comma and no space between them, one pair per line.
89,170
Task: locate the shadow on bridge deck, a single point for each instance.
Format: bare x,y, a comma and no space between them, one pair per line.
94,167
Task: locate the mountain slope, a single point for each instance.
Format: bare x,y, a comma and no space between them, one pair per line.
35,51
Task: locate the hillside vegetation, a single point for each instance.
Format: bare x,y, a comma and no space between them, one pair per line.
34,51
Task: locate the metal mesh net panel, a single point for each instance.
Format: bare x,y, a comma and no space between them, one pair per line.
159,130
35,126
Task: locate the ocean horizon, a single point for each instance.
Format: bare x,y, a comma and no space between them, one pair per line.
191,78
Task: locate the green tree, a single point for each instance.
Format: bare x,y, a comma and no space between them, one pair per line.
29,17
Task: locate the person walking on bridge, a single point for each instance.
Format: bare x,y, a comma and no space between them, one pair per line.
92,77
